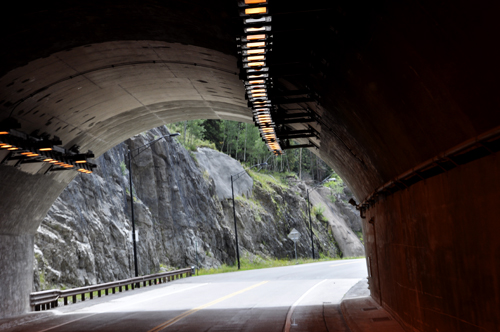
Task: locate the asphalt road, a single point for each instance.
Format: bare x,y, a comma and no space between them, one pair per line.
295,298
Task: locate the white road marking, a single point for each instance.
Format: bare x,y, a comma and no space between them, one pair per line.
115,308
292,308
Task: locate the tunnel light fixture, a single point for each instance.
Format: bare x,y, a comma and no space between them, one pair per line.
257,70
45,149
255,87
255,95
257,90
263,19
257,29
255,45
255,2
258,76
255,51
255,37
256,11
255,58
254,64
4,132
6,146
252,82
258,44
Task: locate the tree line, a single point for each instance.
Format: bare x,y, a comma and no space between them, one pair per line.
242,141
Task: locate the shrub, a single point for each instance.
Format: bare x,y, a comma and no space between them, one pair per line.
123,167
318,211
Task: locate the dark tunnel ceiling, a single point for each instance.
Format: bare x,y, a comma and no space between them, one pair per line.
397,82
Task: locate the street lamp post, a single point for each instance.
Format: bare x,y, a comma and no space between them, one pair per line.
134,240
327,179
235,177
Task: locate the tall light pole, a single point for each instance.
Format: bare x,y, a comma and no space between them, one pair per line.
132,193
327,179
235,177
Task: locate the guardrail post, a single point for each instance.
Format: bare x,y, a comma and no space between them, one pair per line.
74,299
65,300
91,295
83,296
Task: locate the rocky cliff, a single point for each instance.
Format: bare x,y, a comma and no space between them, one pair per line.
182,211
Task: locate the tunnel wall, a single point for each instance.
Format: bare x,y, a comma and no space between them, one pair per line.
16,274
433,250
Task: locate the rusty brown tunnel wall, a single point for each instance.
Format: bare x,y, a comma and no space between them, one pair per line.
437,252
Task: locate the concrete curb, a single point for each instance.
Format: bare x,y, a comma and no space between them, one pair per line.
363,314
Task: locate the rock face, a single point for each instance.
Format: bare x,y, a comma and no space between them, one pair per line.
183,214
342,219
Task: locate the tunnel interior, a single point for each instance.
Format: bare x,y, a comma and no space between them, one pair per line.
397,88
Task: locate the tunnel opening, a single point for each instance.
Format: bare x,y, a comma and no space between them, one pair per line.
91,220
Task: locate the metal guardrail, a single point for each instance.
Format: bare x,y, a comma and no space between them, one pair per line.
49,299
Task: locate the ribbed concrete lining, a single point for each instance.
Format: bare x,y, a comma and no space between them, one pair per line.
96,96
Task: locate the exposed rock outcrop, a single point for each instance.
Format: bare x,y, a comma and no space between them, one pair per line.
182,212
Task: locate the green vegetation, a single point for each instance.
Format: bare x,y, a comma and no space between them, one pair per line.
266,179
318,211
360,237
337,187
192,134
128,193
123,167
259,263
242,141
256,206
206,175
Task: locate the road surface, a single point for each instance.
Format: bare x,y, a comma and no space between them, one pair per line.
294,298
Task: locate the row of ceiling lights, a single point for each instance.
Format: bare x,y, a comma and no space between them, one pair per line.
254,46
25,148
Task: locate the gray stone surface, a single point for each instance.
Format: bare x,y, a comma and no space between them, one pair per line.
220,166
342,221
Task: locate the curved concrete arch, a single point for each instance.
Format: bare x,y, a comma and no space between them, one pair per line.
97,95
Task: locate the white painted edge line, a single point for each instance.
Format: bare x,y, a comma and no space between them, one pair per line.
292,308
343,264
351,261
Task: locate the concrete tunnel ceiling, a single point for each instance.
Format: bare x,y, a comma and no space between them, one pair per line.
98,95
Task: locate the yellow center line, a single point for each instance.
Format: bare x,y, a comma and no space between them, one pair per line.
192,311
344,264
